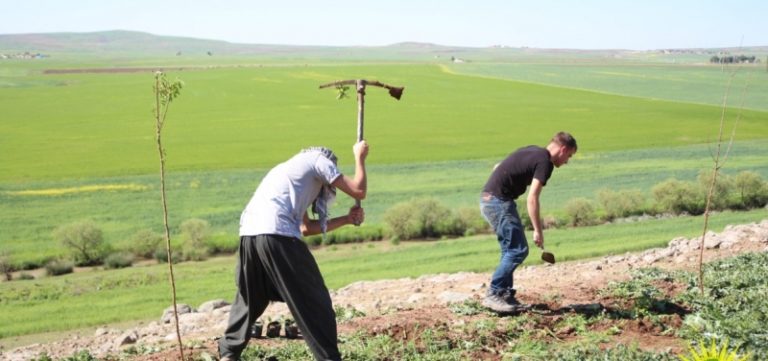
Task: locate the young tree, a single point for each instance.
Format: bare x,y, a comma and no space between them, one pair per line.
84,240
165,92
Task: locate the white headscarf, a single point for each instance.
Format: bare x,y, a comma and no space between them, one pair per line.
327,194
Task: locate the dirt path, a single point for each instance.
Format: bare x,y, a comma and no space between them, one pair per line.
394,306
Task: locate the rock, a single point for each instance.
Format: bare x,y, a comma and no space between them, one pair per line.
168,313
449,297
416,297
128,337
212,305
101,331
712,240
192,318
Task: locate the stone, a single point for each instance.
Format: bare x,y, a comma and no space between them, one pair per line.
212,305
449,297
128,337
168,312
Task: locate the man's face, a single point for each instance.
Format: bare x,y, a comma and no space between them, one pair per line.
563,156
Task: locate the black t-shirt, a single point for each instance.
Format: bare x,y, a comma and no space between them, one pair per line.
515,173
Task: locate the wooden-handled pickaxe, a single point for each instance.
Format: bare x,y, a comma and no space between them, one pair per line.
360,84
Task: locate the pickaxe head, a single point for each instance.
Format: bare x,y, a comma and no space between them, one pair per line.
395,92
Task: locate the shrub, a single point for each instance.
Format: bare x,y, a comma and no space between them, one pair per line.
26,276
59,267
6,266
194,233
621,204
470,220
401,220
751,189
223,243
721,192
161,256
677,197
145,242
85,242
433,218
580,212
421,218
118,260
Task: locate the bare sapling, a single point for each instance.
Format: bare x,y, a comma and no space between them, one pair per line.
165,92
719,158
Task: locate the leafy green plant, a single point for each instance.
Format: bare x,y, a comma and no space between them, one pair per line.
677,197
6,266
144,243
751,189
580,212
619,204
733,304
84,240
59,267
194,233
467,308
165,92
344,314
118,260
714,353
722,185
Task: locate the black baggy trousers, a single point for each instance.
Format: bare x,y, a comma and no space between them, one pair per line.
279,268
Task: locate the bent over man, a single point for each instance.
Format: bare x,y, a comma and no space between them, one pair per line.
275,264
531,165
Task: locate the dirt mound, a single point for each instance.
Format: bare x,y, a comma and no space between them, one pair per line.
401,307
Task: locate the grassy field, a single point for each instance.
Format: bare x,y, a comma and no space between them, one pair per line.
97,125
121,206
80,146
700,83
141,293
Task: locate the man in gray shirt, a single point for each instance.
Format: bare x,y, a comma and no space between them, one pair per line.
275,264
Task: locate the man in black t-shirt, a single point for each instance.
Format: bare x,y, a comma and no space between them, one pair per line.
532,166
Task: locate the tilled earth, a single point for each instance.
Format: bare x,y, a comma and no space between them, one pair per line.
402,307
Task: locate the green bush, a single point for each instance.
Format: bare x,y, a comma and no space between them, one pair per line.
580,212
721,192
734,303
422,218
401,221
59,267
26,276
620,204
85,242
470,220
223,243
751,190
118,260
6,266
161,255
363,233
194,233
145,242
677,197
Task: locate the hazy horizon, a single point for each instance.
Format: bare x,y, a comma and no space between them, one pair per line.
589,24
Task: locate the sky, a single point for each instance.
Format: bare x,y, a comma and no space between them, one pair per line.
570,24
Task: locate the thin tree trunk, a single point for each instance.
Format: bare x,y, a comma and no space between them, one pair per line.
158,128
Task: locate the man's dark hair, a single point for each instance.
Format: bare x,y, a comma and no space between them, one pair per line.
565,139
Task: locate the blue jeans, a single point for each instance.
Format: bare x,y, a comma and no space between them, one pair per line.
503,217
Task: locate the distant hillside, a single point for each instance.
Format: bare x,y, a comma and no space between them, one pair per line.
119,43
122,43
